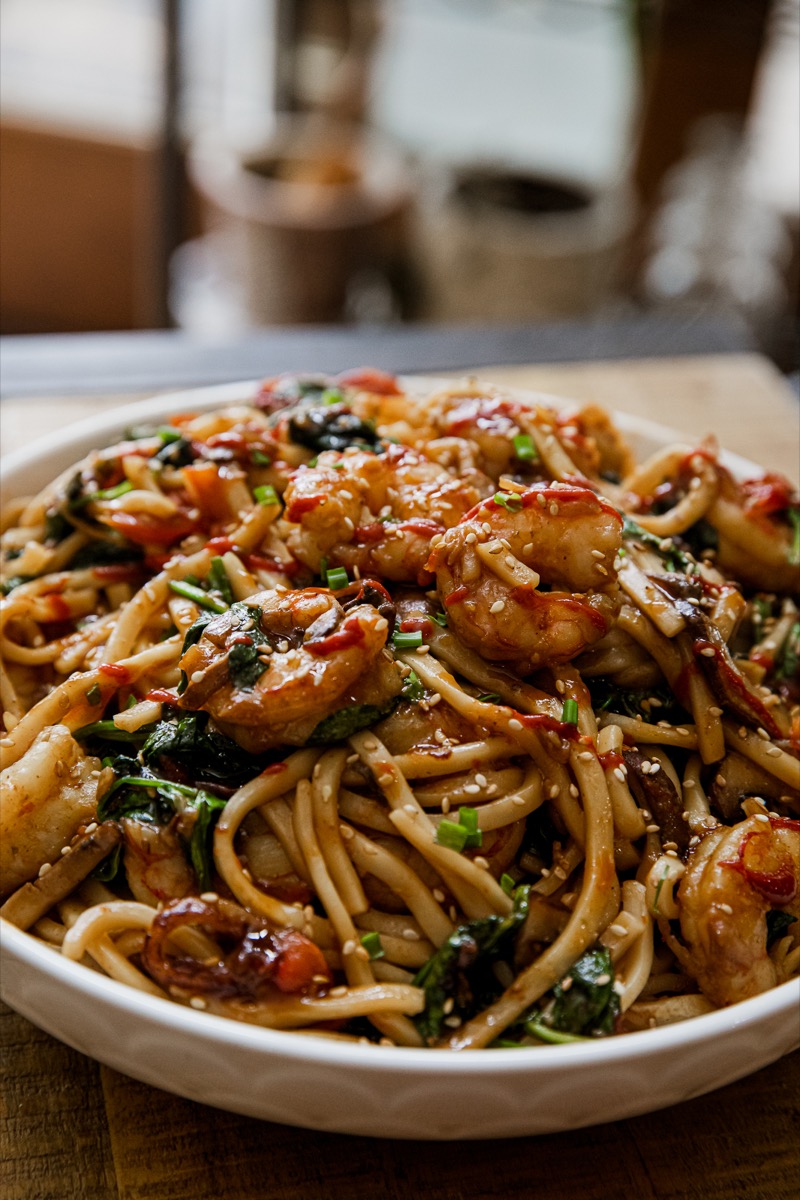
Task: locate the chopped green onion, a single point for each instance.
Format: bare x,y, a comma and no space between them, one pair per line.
440,618
190,592
111,493
337,578
468,817
131,702
94,695
569,713
266,494
406,641
536,1028
331,396
510,500
507,883
372,944
168,434
524,448
452,835
259,459
489,698
218,578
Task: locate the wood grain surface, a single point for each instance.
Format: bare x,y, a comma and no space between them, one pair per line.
72,1128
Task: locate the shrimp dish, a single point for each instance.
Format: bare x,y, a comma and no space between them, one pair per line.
429,720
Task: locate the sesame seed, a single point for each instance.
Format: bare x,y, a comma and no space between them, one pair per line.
618,774
617,930
423,649
671,853
196,676
527,548
348,947
351,758
471,539
599,567
510,561
715,710
410,808
586,756
762,733
561,687
197,1002
554,791
726,908
6,741
481,862
44,868
762,817
722,781
598,554
434,700
346,832
336,992
708,652
514,724
540,499
438,895
519,801
65,849
446,804
481,780
603,979
566,983
498,606
486,527
652,828
471,789
452,1022
681,731
573,791
773,751
90,828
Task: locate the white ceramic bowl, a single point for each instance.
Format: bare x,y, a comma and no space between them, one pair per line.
344,1087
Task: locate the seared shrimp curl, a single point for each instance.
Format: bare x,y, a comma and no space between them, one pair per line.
489,569
270,671
733,879
376,512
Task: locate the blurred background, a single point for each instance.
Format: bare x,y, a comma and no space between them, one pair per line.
220,165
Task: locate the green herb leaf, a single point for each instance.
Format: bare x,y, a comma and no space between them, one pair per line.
219,581
440,618
673,558
201,842
461,969
340,725
778,921
259,459
490,698
245,666
94,695
413,689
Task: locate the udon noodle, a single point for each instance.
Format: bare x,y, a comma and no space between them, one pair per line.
434,721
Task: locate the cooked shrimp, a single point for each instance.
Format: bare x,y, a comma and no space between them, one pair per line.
270,670
155,865
375,512
732,880
45,797
758,527
489,569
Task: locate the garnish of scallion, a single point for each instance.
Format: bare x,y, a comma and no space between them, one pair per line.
406,641
337,578
569,713
524,448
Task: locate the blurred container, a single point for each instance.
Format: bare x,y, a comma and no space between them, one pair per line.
507,244
303,215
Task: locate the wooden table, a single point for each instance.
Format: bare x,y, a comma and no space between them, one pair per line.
71,1128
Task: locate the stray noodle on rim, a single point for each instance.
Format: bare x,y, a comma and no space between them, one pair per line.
433,721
